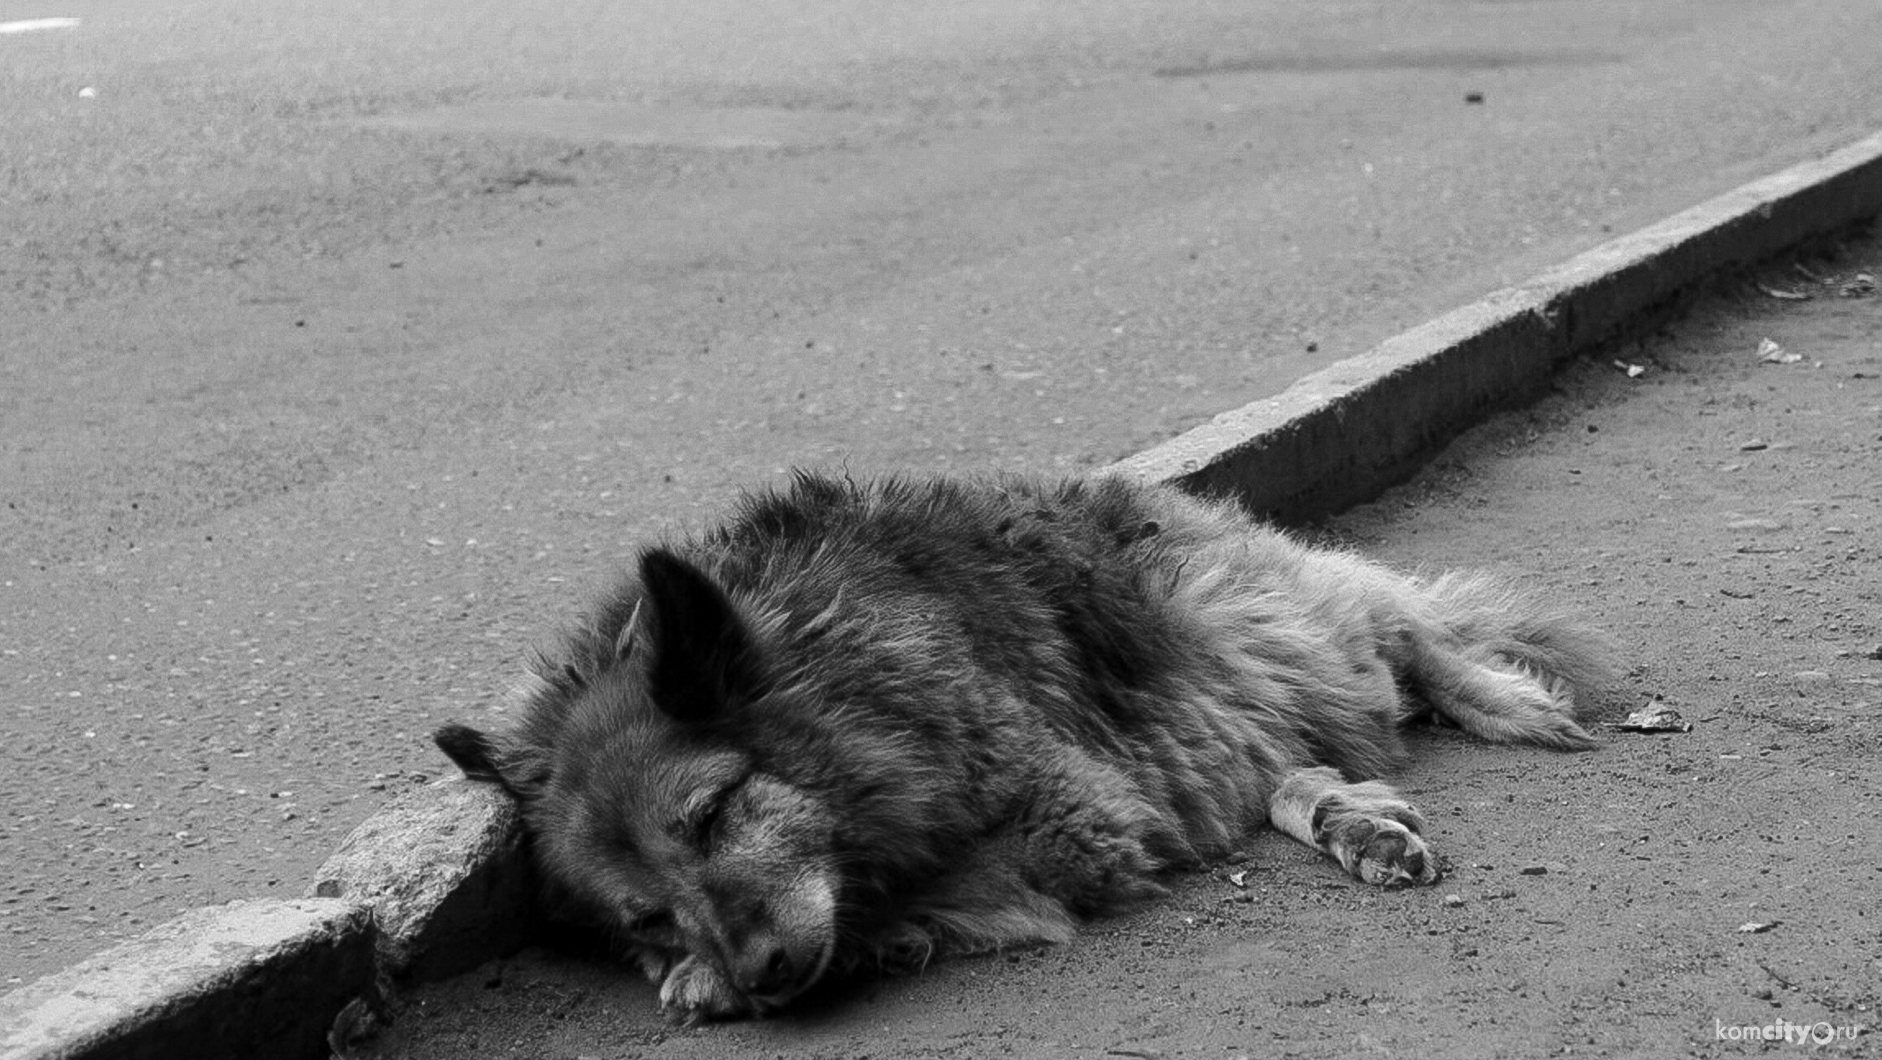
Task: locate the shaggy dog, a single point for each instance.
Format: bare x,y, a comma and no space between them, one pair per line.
864,724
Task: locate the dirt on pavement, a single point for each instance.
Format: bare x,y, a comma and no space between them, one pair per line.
1680,893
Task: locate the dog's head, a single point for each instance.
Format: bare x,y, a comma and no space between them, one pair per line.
646,803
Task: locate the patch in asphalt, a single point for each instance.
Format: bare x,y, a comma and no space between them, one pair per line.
715,128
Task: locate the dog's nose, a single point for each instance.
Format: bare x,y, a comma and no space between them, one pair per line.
771,973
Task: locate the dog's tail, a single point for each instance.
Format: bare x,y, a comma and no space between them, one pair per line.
1502,665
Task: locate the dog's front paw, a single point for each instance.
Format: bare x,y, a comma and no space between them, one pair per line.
695,992
1372,832
1382,848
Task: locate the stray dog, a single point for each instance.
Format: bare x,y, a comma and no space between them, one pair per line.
860,725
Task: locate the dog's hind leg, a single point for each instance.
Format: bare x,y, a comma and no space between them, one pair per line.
1367,827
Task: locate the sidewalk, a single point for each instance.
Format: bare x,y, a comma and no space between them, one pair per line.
1688,893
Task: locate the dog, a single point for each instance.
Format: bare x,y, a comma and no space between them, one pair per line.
855,726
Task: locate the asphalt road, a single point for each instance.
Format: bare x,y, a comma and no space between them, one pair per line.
342,345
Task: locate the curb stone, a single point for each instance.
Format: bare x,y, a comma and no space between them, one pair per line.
1344,434
442,870
435,883
246,979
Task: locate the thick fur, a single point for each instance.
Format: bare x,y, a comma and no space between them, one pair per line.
863,724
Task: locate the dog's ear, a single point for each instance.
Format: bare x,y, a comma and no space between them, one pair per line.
471,750
482,759
703,654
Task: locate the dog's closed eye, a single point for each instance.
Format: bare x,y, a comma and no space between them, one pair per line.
700,827
653,921
655,925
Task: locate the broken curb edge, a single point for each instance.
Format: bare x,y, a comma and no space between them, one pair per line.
436,883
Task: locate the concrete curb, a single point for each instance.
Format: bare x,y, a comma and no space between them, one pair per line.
241,980
1347,432
442,871
436,882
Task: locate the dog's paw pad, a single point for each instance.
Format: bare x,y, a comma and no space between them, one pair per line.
1394,856
1383,850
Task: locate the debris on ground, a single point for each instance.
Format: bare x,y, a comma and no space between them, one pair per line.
1634,371
1785,295
1771,353
1654,717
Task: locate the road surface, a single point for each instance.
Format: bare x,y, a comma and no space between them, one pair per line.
344,345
